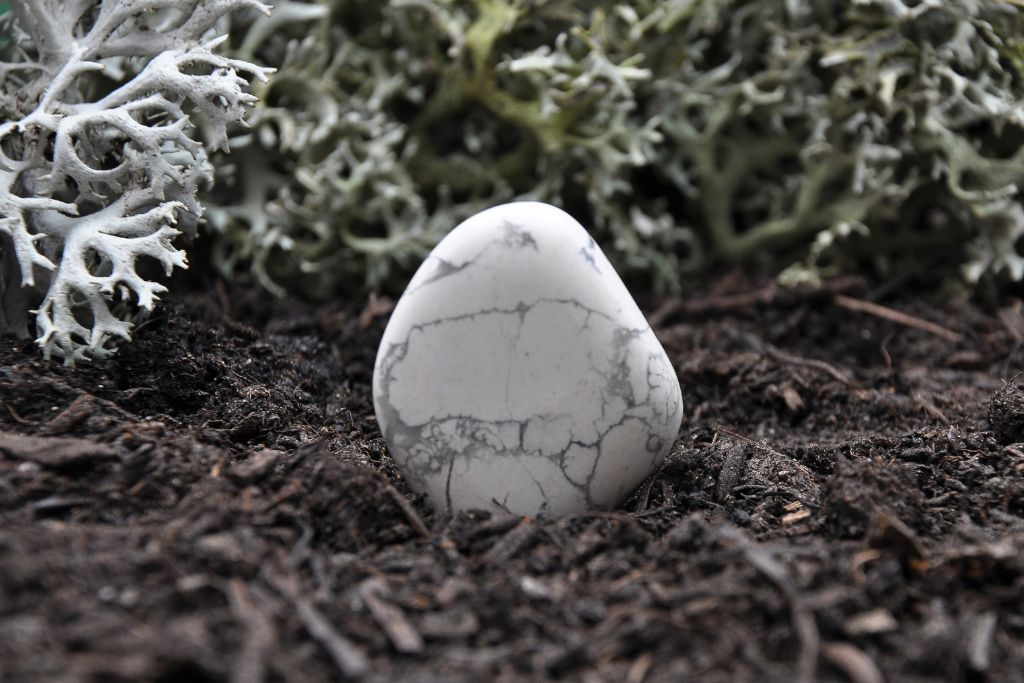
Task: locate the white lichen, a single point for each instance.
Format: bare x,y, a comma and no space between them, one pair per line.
101,159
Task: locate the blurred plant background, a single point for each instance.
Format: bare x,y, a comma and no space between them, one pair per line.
803,137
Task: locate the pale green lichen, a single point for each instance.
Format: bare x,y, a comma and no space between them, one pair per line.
685,133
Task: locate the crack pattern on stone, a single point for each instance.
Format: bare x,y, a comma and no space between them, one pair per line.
437,268
570,447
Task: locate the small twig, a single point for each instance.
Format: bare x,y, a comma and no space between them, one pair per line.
497,525
939,499
407,509
349,659
223,298
17,418
291,488
857,666
638,670
713,304
886,356
803,619
645,493
251,662
505,548
794,517
759,345
376,306
897,317
777,491
735,435
821,365
762,296
931,409
149,322
651,512
392,620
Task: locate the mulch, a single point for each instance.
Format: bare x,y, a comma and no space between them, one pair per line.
845,502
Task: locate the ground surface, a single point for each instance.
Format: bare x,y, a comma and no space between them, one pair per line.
845,503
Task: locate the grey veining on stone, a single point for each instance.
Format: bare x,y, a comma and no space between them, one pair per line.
517,374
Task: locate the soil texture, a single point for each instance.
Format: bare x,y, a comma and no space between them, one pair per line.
845,502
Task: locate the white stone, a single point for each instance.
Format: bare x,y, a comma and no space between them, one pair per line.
517,374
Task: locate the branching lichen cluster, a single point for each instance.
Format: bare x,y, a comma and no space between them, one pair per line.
100,160
686,133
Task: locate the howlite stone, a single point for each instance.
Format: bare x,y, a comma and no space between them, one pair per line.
518,375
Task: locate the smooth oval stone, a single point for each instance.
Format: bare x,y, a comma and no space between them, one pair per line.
518,375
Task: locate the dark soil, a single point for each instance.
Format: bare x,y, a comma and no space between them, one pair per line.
845,503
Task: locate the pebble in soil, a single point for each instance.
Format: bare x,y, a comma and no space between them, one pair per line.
518,375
